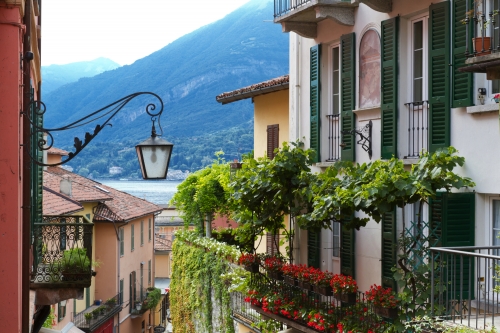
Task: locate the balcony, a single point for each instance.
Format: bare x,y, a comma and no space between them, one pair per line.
62,253
418,128
334,138
308,311
465,285
145,299
302,16
91,318
242,311
482,39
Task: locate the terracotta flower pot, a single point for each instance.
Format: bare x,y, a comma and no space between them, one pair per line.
481,43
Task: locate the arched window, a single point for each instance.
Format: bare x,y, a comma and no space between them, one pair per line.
369,70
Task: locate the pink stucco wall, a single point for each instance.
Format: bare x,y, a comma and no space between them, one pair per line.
10,170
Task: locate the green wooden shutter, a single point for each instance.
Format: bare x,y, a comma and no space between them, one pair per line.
439,76
453,219
314,101
313,248
348,80
389,105
462,84
389,251
347,263
272,140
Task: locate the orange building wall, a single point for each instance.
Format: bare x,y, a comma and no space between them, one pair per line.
162,265
129,262
106,253
10,169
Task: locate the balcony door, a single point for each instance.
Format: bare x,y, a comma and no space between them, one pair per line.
417,106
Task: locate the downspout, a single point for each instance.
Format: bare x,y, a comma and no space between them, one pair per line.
26,175
296,96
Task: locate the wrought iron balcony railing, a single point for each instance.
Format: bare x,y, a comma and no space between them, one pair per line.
92,317
418,128
62,252
242,311
334,137
465,285
482,22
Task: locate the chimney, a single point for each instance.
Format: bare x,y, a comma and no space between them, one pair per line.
66,186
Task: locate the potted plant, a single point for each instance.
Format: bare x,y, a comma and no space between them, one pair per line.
74,265
290,274
384,301
88,317
250,261
321,282
96,313
305,276
273,267
111,302
344,288
482,43
496,98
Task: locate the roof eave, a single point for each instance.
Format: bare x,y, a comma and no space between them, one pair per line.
253,93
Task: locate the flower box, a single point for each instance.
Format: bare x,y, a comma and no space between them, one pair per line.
305,285
275,275
347,298
323,290
290,280
390,313
253,267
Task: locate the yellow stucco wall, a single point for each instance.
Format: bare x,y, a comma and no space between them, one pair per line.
162,265
270,109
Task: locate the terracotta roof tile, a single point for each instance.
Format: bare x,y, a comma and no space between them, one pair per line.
57,151
162,244
257,89
81,191
122,206
58,204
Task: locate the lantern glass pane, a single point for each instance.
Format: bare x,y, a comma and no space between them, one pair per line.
155,159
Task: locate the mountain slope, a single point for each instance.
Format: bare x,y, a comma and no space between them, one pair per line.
241,49
55,76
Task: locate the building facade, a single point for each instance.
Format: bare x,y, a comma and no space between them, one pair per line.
394,66
20,78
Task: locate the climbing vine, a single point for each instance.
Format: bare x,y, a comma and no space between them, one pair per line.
198,287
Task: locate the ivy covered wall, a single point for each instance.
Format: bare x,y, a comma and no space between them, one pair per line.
200,299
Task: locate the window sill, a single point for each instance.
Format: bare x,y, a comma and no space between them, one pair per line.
324,164
410,161
482,108
367,114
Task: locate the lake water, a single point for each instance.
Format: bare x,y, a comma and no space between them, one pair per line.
158,192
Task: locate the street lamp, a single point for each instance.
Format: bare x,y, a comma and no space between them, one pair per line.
153,153
154,156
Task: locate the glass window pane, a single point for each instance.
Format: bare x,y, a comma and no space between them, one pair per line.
336,107
417,90
417,35
336,58
418,63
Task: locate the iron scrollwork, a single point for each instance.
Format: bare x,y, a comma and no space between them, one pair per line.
365,137
108,111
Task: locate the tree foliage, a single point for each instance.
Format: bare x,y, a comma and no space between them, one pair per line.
204,192
378,187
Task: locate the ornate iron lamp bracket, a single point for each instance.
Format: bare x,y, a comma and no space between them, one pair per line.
365,137
108,111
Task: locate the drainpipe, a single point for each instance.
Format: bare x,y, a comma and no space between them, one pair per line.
297,129
26,175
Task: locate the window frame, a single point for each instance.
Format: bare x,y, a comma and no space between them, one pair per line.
424,18
149,230
333,135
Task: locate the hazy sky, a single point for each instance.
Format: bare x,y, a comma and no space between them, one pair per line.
121,30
